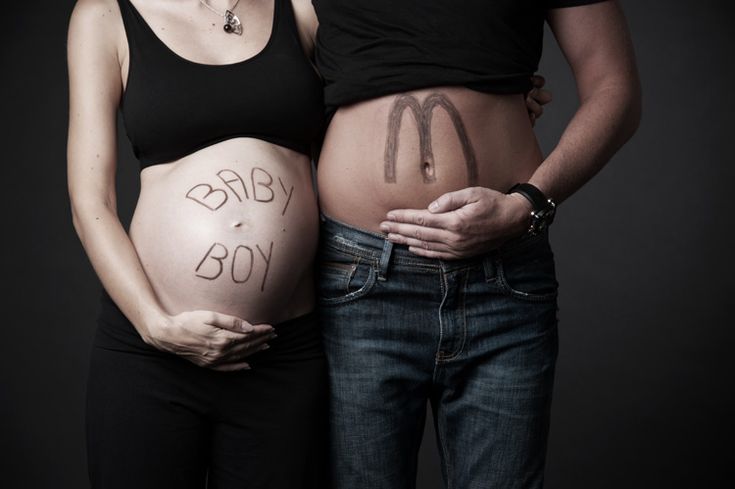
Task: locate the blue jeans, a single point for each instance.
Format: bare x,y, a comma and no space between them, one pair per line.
476,338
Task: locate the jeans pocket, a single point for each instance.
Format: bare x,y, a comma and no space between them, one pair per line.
528,274
340,282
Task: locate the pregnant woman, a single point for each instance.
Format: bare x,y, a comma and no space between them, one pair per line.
207,368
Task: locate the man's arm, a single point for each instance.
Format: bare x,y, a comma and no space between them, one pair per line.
595,40
597,45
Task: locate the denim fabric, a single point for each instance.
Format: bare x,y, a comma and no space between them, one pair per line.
476,338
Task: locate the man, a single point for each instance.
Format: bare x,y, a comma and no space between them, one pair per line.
437,279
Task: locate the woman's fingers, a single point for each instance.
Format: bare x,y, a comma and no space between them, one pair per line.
537,97
538,81
534,106
542,96
232,367
229,349
242,349
237,325
214,340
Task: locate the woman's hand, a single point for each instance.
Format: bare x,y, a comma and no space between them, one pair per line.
536,98
459,224
210,339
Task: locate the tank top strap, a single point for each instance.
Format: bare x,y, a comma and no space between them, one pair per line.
286,29
141,39
286,19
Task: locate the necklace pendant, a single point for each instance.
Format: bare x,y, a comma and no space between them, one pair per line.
232,24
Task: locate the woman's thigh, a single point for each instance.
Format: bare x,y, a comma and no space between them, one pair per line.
269,423
145,421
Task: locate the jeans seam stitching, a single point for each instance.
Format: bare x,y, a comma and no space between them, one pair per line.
464,317
447,463
354,295
460,349
524,296
354,251
437,356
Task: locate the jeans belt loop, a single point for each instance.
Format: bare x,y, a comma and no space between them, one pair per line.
489,265
385,260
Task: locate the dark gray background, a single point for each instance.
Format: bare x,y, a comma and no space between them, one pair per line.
643,390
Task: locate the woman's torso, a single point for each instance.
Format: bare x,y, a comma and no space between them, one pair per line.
226,222
231,228
404,150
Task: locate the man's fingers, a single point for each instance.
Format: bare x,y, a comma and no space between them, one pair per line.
538,81
453,200
419,217
438,255
420,233
416,243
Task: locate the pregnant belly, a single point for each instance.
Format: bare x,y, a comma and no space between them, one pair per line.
233,229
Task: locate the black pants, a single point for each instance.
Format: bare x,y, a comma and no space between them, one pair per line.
157,421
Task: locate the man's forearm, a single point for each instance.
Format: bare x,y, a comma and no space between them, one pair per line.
606,119
596,42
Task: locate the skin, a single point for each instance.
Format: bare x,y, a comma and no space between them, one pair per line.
194,301
470,221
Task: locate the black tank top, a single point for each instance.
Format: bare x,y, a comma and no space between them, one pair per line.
173,107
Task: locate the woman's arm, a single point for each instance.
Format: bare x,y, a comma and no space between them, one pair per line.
537,98
596,42
307,24
95,86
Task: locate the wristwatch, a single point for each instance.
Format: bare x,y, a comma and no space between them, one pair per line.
543,207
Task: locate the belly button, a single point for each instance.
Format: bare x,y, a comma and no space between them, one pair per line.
428,169
236,224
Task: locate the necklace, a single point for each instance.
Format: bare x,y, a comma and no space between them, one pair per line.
232,23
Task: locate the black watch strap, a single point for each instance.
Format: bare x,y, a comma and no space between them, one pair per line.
543,208
535,196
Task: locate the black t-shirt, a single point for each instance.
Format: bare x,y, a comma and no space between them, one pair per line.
369,48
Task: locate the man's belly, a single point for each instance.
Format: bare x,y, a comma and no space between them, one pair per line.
405,150
231,228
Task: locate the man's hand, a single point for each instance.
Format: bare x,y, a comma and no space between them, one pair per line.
536,98
460,224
